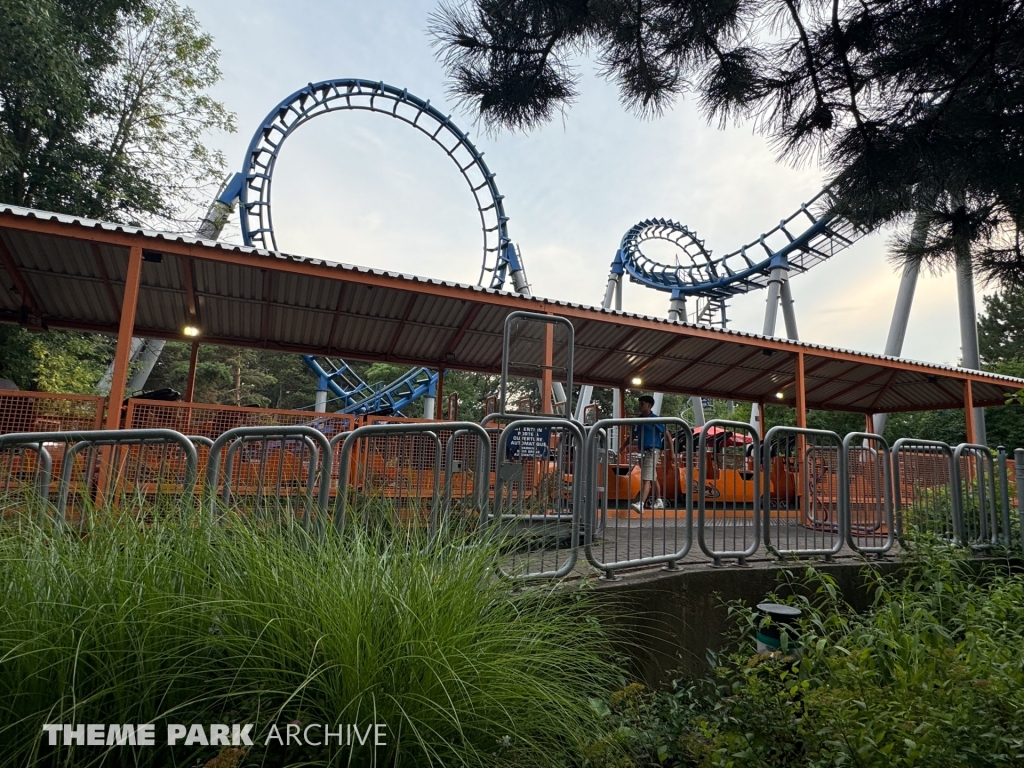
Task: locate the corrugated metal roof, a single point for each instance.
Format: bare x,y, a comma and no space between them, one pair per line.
75,271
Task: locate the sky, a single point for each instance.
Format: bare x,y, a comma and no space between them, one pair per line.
364,189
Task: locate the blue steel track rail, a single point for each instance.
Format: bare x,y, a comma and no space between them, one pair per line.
353,94
803,240
252,188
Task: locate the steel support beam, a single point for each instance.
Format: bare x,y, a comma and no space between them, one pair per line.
129,303
969,352
904,301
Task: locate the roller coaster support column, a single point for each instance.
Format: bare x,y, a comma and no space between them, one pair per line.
320,403
970,355
677,313
901,312
612,294
778,289
430,402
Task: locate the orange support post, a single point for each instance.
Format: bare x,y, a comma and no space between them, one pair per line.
124,337
193,361
545,376
801,396
972,435
869,423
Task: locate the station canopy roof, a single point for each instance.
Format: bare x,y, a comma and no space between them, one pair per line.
63,272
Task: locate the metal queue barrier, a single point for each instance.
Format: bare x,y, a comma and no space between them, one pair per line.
866,502
270,471
397,467
141,469
727,484
923,489
549,486
623,526
802,512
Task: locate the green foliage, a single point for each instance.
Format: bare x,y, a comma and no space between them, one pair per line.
932,675
55,361
196,623
103,109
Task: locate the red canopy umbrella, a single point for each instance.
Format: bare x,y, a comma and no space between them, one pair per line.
729,438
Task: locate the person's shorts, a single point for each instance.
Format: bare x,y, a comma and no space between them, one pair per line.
649,461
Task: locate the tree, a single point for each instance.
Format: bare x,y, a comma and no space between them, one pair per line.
1001,343
104,107
912,106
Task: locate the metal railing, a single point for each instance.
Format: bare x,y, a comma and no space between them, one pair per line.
865,500
270,471
801,492
388,471
637,511
26,471
539,496
974,484
141,470
728,491
922,481
546,487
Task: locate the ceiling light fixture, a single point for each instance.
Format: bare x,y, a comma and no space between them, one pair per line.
780,395
636,381
191,331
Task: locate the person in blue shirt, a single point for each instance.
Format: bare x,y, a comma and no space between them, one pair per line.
649,440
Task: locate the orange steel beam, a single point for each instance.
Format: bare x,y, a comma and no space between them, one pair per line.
439,396
801,395
467,321
101,267
410,302
799,385
124,337
546,373
869,423
972,434
28,299
193,361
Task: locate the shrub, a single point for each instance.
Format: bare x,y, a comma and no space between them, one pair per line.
174,623
932,675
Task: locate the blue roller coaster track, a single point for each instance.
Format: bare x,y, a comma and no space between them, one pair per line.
804,239
252,189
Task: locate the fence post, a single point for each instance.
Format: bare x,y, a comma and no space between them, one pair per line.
1018,472
1004,496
